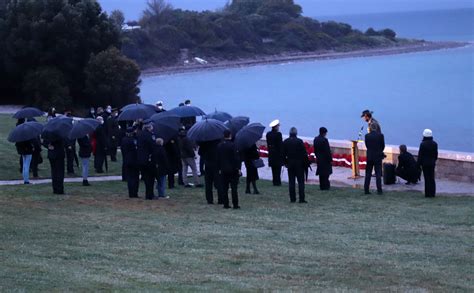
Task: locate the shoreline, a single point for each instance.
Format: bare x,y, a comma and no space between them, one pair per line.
301,57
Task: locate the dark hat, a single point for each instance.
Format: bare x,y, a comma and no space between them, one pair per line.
181,104
323,130
187,102
366,112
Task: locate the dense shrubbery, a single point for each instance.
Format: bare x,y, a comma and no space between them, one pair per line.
243,28
46,46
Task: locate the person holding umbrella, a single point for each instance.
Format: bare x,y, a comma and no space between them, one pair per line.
275,144
228,166
249,156
129,151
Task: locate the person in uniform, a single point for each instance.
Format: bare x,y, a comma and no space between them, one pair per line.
249,155
208,152
160,160
323,154
145,145
367,116
100,147
427,157
375,143
56,156
85,150
228,166
129,149
407,167
295,158
274,144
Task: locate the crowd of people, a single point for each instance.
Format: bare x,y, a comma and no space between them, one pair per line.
150,158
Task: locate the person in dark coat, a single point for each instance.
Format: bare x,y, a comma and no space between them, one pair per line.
249,155
427,157
25,149
36,159
208,152
113,135
129,149
56,157
85,151
174,161
146,144
323,154
228,166
70,149
375,143
367,116
101,146
295,158
91,113
274,144
160,160
407,168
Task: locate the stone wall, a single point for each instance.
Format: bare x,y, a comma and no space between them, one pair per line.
451,165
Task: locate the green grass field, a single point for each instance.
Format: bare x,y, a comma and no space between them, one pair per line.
9,158
97,239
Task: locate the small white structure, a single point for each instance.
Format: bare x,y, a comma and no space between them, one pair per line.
200,61
127,27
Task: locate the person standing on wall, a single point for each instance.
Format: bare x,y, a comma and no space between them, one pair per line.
367,116
427,157
323,154
274,145
375,143
295,158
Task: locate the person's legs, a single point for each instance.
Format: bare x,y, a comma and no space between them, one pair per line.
224,189
192,164
180,174
184,171
26,168
61,175
171,180
34,164
85,168
301,185
292,184
368,175
209,181
247,184
255,189
276,175
430,184
161,185
149,178
378,176
70,161
324,182
234,189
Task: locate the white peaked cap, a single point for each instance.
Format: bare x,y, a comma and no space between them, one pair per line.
427,133
159,103
274,123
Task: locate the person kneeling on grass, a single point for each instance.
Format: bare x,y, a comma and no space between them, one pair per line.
407,168
160,160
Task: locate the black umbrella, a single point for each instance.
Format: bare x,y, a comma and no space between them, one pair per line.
130,106
237,123
83,127
58,127
165,125
218,115
25,132
187,111
136,111
28,112
249,135
207,130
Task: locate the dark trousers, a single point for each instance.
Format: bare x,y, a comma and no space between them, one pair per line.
231,180
70,160
148,175
409,177
371,165
201,167
99,159
57,175
430,183
324,183
211,178
180,173
133,180
170,180
124,172
34,164
296,174
113,153
276,175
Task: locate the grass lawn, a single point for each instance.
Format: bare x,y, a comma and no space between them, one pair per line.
9,158
97,239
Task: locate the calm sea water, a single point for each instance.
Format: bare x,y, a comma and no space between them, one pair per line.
407,92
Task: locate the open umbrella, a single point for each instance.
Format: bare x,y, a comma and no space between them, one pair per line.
187,111
129,106
207,130
58,127
136,111
165,125
83,127
218,115
25,132
28,112
235,124
249,135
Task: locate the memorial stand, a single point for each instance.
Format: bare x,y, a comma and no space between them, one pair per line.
355,160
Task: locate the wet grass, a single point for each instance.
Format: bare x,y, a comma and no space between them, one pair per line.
97,239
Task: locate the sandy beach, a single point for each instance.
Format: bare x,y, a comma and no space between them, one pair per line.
299,57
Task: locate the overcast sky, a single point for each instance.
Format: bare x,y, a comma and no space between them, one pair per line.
133,8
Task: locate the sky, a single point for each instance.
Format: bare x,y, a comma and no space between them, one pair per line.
313,8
